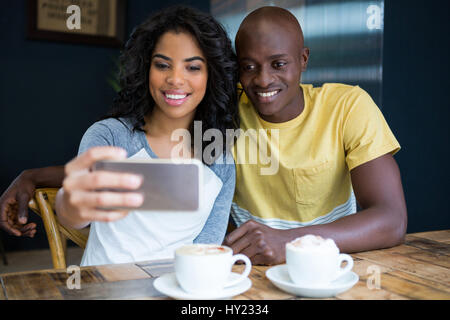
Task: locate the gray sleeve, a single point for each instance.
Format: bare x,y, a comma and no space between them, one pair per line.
95,136
216,226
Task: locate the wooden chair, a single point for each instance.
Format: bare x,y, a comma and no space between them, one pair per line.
3,253
43,204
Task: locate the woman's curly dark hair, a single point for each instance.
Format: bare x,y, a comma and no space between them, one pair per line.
218,109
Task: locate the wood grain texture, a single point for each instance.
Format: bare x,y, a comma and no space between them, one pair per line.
440,236
157,268
87,275
362,292
122,272
126,289
406,264
417,269
32,286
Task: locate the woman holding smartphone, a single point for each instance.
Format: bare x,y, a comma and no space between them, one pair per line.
177,67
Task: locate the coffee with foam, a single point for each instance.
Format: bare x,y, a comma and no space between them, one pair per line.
206,268
314,261
202,250
313,243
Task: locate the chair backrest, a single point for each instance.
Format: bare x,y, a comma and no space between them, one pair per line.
43,204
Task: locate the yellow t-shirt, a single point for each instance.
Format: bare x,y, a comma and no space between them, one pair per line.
301,175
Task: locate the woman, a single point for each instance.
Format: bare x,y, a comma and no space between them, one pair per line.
177,67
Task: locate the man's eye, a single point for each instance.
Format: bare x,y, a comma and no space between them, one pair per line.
279,64
248,67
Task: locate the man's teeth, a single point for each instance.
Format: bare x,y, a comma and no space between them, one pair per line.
267,94
176,96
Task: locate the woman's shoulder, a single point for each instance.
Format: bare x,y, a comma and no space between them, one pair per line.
113,128
224,167
113,132
113,125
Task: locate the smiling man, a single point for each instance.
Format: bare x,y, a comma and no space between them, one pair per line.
334,144
272,58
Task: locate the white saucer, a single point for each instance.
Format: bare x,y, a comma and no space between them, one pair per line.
280,278
168,285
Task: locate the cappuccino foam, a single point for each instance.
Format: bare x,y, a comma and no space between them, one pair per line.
201,250
313,243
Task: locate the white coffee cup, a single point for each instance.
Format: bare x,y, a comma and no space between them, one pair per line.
205,268
315,263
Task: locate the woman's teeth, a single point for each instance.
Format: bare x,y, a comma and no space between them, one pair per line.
267,94
176,96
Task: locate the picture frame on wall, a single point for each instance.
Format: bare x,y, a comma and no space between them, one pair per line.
92,22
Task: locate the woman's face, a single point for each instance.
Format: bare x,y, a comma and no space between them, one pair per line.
178,75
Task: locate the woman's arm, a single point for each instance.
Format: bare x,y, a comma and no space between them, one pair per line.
79,201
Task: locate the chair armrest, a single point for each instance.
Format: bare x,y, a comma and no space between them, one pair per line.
49,194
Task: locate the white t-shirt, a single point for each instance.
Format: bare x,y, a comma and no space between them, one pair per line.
142,236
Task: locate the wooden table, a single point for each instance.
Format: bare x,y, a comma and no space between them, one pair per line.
418,269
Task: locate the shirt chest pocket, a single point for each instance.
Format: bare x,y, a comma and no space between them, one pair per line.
312,183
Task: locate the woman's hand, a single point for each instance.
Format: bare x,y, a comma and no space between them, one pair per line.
79,202
14,206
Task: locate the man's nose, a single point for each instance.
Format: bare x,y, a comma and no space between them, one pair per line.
263,78
176,77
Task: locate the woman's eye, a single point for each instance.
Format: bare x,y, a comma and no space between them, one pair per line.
161,66
194,68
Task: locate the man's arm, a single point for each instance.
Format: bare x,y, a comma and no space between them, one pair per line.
14,201
381,223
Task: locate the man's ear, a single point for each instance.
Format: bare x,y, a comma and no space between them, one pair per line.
304,58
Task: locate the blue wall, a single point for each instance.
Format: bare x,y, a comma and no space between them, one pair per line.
416,103
50,93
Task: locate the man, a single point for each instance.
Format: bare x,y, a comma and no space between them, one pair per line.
334,145
331,140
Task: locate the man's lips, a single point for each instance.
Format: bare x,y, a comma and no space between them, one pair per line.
175,97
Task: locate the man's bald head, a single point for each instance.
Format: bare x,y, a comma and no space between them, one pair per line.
271,56
270,18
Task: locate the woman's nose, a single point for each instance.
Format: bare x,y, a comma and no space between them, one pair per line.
176,77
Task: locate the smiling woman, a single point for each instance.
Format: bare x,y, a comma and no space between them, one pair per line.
169,66
178,66
178,78
204,54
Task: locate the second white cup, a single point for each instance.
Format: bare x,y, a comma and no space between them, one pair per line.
309,267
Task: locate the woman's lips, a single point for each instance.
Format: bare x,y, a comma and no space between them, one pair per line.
175,98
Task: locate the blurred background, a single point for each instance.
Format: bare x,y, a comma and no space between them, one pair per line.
52,90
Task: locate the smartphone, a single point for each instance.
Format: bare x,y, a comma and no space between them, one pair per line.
168,185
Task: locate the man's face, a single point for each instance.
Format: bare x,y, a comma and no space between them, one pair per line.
271,61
